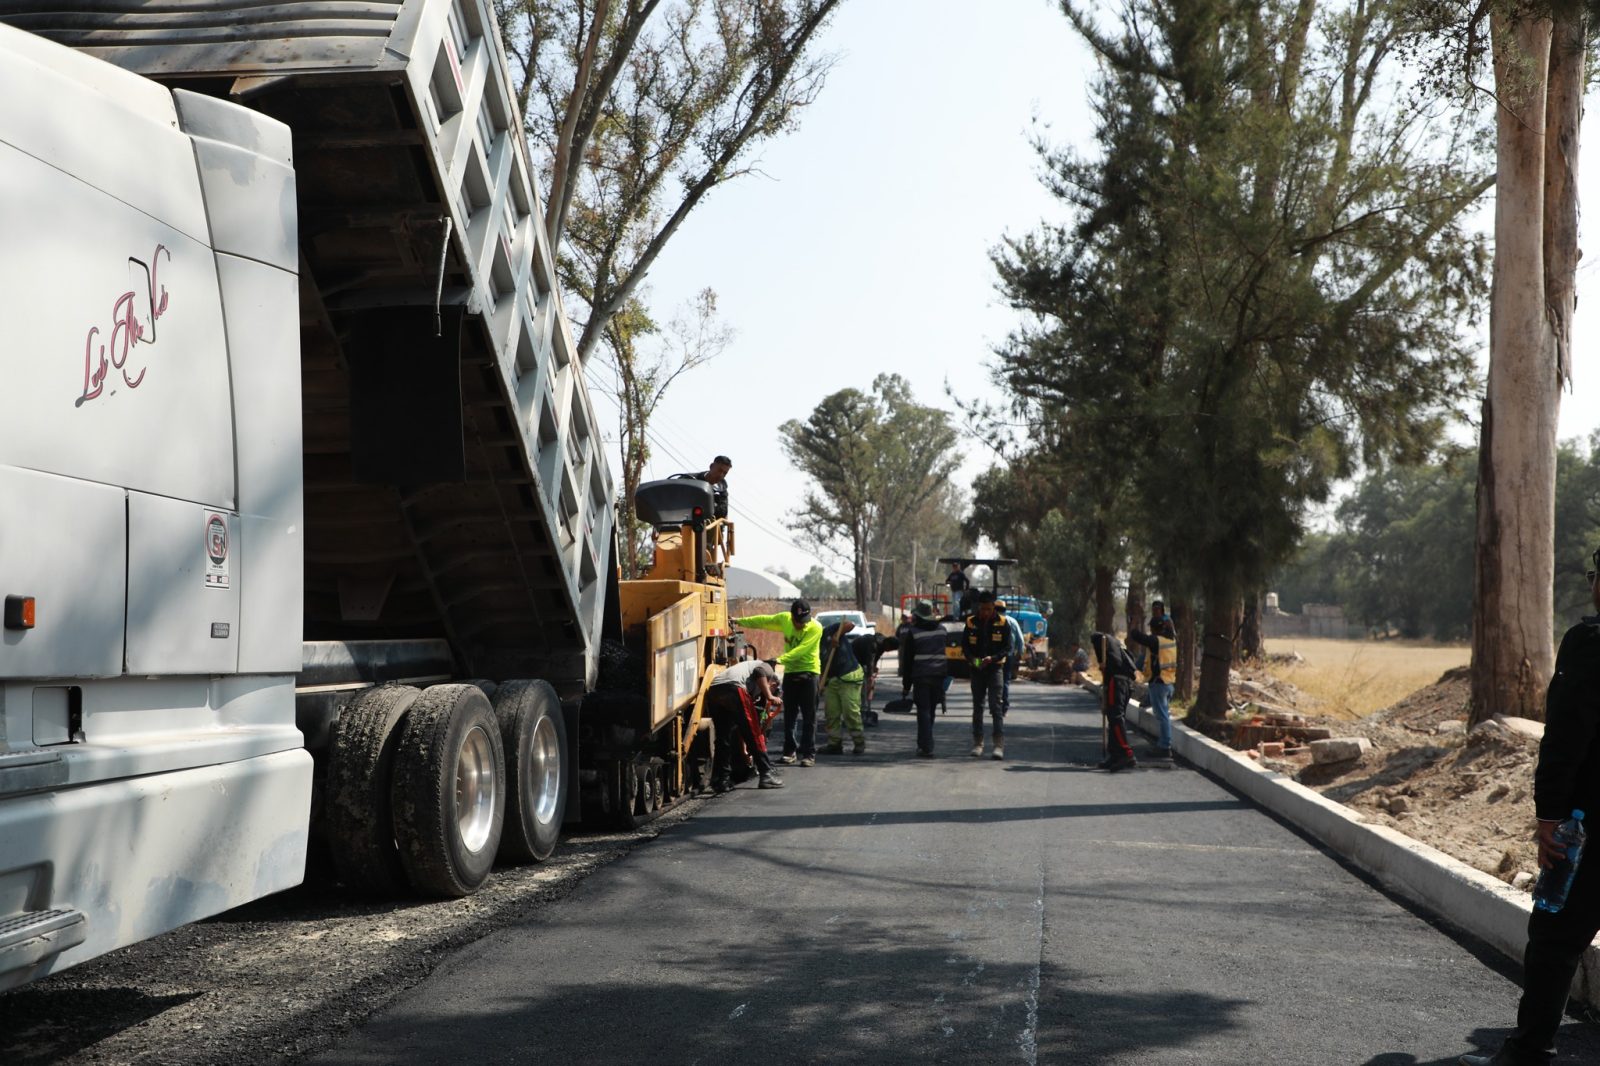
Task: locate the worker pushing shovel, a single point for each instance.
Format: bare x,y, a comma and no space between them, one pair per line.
842,678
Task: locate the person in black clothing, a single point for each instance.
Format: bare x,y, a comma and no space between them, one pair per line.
717,477
960,587
986,645
1567,778
923,666
1117,672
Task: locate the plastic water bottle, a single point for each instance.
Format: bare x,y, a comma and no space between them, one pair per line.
1550,894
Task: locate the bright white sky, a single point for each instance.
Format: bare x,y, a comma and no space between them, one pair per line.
864,248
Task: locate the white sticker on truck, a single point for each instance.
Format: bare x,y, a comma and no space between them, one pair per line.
216,552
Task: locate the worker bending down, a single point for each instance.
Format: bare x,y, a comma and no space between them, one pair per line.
730,704
842,678
1117,672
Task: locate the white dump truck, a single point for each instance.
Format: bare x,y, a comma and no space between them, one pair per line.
305,526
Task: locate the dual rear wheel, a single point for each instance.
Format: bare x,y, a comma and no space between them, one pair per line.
427,787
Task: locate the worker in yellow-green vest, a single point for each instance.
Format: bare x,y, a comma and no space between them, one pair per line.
801,662
1160,670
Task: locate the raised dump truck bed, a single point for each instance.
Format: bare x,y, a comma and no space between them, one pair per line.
455,485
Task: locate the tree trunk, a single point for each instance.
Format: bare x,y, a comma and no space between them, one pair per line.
862,578
1513,602
1251,644
1105,600
1235,631
633,460
1183,616
555,215
1563,120
1216,655
1135,606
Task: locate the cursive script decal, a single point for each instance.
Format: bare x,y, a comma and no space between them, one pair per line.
127,331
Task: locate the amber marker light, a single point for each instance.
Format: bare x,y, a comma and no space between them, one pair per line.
19,612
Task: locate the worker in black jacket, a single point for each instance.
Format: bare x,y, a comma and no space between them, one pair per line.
1566,779
986,645
923,667
1116,679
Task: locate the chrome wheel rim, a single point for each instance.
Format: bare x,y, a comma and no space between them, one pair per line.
476,789
544,771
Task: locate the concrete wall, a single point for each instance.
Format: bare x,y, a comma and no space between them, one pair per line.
1317,620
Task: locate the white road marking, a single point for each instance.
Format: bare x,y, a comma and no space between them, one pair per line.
1028,1039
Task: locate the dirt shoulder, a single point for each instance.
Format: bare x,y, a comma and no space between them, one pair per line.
281,978
1469,795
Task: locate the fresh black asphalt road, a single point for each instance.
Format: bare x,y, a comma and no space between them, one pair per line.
886,909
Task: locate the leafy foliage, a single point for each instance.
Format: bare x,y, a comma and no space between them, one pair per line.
876,461
815,584
1262,285
1401,555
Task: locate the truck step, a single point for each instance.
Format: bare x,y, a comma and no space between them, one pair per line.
33,936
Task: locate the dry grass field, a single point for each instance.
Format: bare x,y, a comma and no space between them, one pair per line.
1353,678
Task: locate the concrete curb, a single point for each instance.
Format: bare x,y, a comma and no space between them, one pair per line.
1482,905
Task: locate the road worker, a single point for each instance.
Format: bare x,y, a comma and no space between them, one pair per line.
1160,670
987,644
960,585
923,667
802,637
842,678
715,475
1117,673
1019,648
1567,778
730,701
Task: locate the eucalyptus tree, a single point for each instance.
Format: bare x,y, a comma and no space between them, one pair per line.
1264,281
1538,51
874,462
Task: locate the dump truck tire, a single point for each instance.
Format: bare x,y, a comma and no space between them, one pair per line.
626,787
448,791
358,814
534,736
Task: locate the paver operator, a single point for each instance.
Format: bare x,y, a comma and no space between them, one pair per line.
987,644
716,475
801,662
1116,680
923,667
1566,779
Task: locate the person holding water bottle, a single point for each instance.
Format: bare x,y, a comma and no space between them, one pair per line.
1565,784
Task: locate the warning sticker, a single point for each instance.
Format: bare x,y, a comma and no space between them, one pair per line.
216,552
